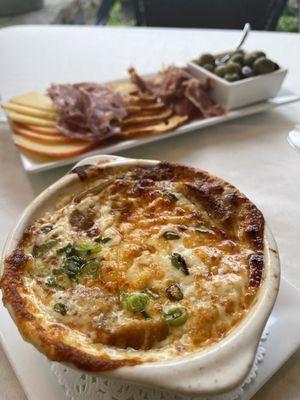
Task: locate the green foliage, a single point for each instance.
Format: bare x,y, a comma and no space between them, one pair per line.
117,17
289,21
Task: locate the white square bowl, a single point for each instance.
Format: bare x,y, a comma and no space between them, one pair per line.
237,94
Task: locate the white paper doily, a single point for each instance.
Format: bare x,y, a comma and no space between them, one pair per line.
82,386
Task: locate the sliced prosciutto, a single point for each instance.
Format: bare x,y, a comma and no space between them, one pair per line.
176,87
88,111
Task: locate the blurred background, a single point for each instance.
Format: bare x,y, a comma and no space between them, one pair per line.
274,15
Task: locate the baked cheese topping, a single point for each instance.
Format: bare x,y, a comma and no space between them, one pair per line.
145,264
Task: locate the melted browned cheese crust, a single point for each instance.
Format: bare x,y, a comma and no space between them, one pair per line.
175,236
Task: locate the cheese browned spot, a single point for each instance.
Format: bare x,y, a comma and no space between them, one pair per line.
146,263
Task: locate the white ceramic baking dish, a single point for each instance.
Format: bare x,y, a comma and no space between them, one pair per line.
243,92
217,369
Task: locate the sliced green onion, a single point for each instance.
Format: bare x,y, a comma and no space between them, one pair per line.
58,271
87,248
103,240
90,268
73,266
51,281
68,250
46,228
175,316
135,302
60,308
40,250
171,196
179,262
170,235
174,292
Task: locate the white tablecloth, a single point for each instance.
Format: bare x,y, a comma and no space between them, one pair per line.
252,153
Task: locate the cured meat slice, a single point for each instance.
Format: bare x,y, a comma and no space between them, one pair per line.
180,90
87,111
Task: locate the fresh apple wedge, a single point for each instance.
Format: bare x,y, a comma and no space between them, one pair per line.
27,120
32,112
35,100
61,150
40,136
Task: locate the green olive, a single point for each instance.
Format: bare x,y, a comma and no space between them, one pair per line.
175,316
206,59
232,77
209,67
239,51
233,68
237,58
263,66
251,57
259,53
135,302
220,70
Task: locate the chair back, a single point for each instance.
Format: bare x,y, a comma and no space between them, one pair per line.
229,14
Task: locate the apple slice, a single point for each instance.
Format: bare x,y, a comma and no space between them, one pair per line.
61,150
35,100
33,112
27,120
40,136
37,129
43,129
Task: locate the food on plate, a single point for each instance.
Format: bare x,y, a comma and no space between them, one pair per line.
238,64
53,148
88,111
31,111
29,120
40,136
35,100
154,129
94,113
145,117
43,130
177,88
139,263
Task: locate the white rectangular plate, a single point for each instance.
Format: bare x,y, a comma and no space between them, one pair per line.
37,164
36,377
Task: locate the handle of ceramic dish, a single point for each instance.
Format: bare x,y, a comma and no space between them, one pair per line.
103,158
